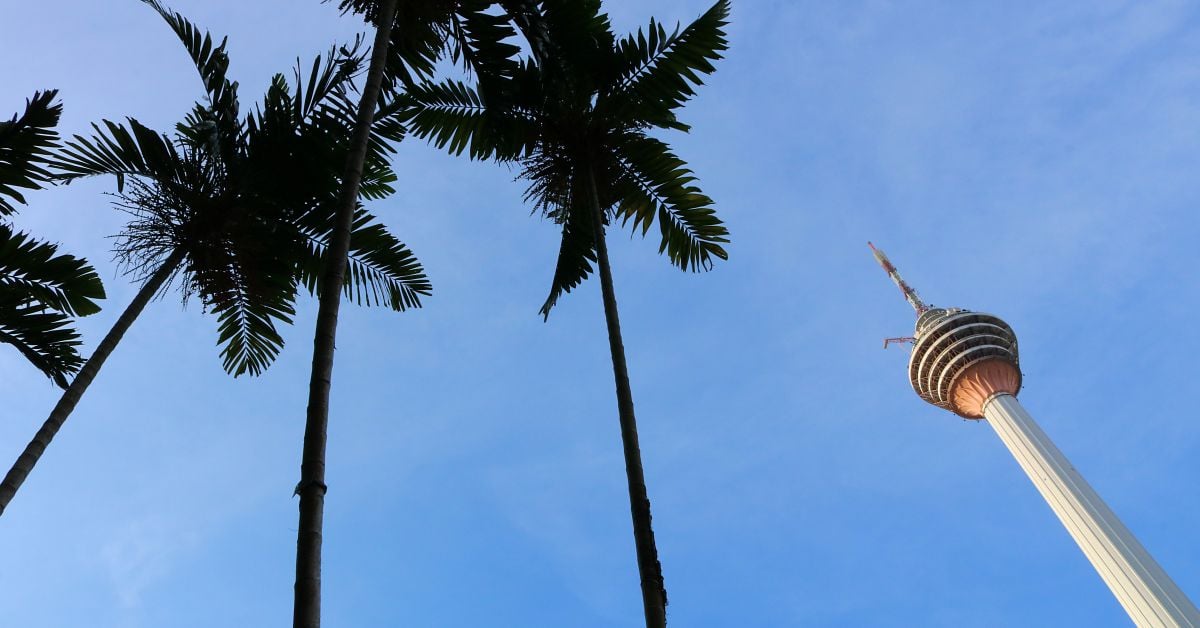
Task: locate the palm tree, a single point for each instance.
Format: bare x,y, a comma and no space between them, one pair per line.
577,119
240,209
409,39
40,289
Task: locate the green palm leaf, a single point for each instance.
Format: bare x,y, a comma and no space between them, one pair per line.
450,115
485,43
40,289
582,42
25,144
381,270
121,152
454,116
659,71
248,300
419,34
657,184
39,271
576,254
212,62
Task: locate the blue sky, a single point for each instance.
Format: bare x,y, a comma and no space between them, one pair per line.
1035,160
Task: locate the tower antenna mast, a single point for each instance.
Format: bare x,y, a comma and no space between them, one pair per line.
910,294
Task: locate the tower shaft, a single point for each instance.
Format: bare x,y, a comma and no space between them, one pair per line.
1146,592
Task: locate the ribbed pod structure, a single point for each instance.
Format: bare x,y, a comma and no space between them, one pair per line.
960,358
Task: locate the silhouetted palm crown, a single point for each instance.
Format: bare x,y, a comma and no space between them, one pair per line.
247,203
40,289
425,31
577,118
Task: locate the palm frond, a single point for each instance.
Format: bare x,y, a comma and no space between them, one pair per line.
483,42
449,115
526,15
420,32
329,78
453,116
238,256
26,142
387,127
576,254
658,71
657,184
119,151
582,41
45,338
38,271
414,50
211,61
585,103
246,329
297,144
40,290
381,270
250,285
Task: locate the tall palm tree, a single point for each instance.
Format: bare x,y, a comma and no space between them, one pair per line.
240,209
311,488
40,289
578,120
410,37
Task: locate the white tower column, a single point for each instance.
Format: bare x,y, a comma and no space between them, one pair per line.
1148,594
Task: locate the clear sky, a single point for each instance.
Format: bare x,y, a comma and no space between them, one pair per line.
1036,160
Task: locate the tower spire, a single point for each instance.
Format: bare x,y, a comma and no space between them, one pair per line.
910,295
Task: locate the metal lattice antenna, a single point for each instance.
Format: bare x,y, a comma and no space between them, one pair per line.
910,295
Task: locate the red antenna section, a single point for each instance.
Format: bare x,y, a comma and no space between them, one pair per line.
910,295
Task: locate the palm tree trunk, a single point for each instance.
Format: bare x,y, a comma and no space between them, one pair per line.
70,397
654,594
311,489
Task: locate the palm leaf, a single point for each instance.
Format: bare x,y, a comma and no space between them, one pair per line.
453,116
45,338
39,290
420,32
246,327
483,41
576,254
297,143
37,270
25,143
659,71
329,78
381,270
249,290
119,151
211,61
582,41
657,184
450,115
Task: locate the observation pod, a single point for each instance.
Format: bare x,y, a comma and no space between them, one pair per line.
967,362
961,358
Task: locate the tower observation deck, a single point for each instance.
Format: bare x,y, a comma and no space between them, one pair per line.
967,362
960,358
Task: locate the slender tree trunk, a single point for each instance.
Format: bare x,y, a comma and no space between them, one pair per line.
654,594
70,397
311,489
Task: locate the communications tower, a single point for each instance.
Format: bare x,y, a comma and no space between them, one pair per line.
966,362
